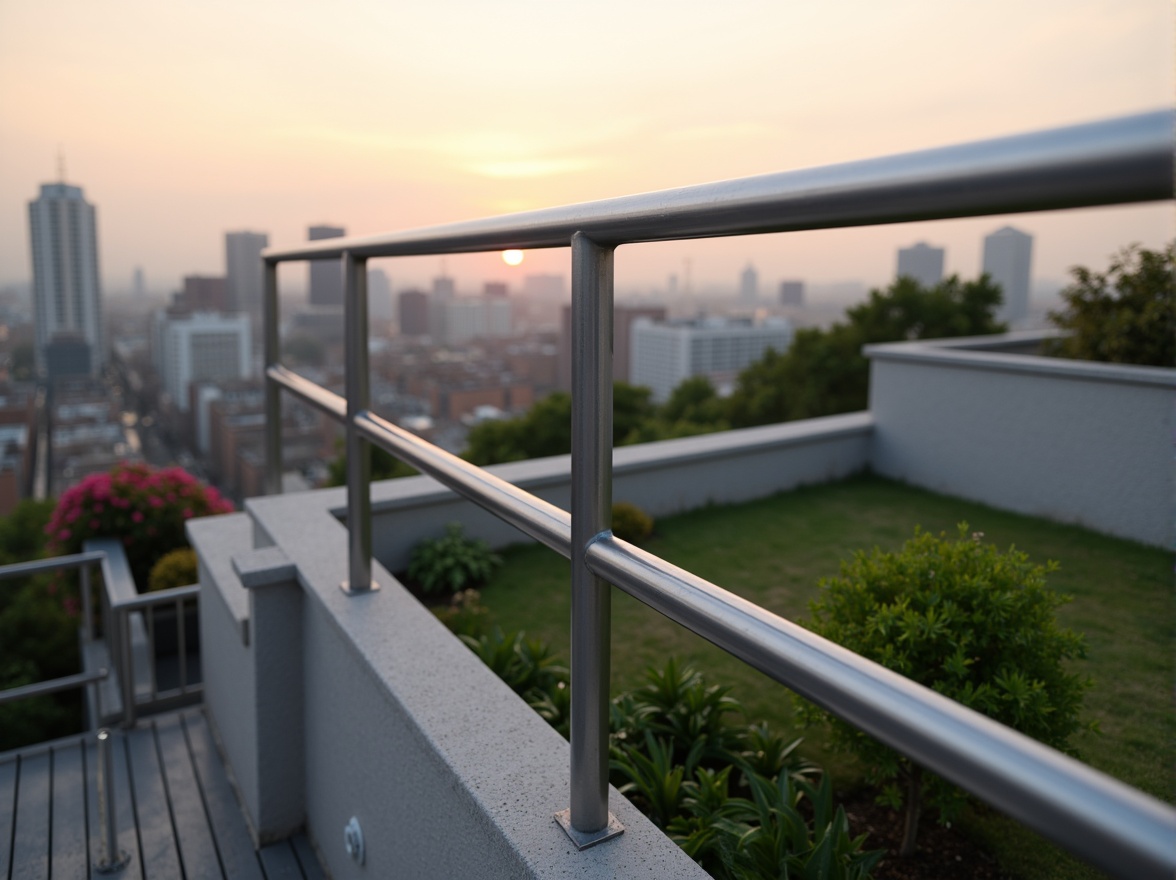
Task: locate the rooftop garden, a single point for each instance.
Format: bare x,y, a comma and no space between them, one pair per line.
775,551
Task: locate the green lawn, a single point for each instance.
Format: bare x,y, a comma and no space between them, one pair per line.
774,552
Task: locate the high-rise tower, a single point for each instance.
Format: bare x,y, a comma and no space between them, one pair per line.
67,296
326,276
1008,253
244,277
921,262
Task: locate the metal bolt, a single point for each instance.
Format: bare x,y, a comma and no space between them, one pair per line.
353,841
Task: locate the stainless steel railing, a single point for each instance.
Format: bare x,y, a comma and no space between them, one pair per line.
122,612
1118,161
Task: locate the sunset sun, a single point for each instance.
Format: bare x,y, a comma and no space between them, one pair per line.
512,258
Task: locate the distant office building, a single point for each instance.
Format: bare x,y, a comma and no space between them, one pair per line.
67,296
664,354
244,274
544,286
463,319
379,296
921,262
444,290
749,285
202,293
495,290
139,285
444,286
792,293
414,313
201,347
624,317
326,276
1008,255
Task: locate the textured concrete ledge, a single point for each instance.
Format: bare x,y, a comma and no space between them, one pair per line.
449,773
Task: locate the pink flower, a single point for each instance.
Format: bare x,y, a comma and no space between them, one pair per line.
137,516
63,535
187,513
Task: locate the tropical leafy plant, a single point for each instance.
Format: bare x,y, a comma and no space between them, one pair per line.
452,562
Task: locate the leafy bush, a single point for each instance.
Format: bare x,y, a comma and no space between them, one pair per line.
967,620
145,507
730,795
452,562
1127,315
630,522
175,569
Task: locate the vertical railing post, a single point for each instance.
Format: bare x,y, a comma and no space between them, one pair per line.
359,456
87,606
111,858
122,619
588,820
273,392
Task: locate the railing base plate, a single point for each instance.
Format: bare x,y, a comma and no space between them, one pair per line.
582,840
346,588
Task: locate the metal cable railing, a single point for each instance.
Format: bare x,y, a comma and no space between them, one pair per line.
1119,161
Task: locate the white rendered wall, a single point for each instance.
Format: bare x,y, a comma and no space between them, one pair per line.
1066,440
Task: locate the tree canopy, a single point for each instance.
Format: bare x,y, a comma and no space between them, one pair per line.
824,371
1126,315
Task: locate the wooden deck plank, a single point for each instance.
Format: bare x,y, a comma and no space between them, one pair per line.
279,861
30,851
7,813
124,809
157,837
311,867
197,847
238,857
69,858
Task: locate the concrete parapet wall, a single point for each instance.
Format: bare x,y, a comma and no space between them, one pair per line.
662,478
1067,440
394,721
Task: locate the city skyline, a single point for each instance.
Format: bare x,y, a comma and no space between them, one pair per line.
509,110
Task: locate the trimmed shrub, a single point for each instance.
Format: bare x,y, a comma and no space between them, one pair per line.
175,569
145,507
967,620
452,562
631,523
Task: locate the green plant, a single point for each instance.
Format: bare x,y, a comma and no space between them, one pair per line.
452,562
530,669
631,523
175,569
1127,315
967,620
770,836
144,507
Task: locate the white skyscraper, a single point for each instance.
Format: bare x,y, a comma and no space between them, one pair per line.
201,347
244,277
749,284
921,262
67,296
1008,254
665,353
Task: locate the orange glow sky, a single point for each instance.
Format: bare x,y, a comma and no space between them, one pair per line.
184,120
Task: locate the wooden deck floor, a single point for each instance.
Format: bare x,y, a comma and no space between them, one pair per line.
177,814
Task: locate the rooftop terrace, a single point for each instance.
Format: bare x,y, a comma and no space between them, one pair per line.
355,708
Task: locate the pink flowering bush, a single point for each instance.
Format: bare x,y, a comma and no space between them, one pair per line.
146,508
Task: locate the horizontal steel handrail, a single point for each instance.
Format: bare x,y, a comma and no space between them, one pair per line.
53,685
533,516
334,405
37,566
1115,161
1118,161
158,597
1105,820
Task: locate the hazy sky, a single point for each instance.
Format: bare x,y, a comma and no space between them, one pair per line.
184,120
